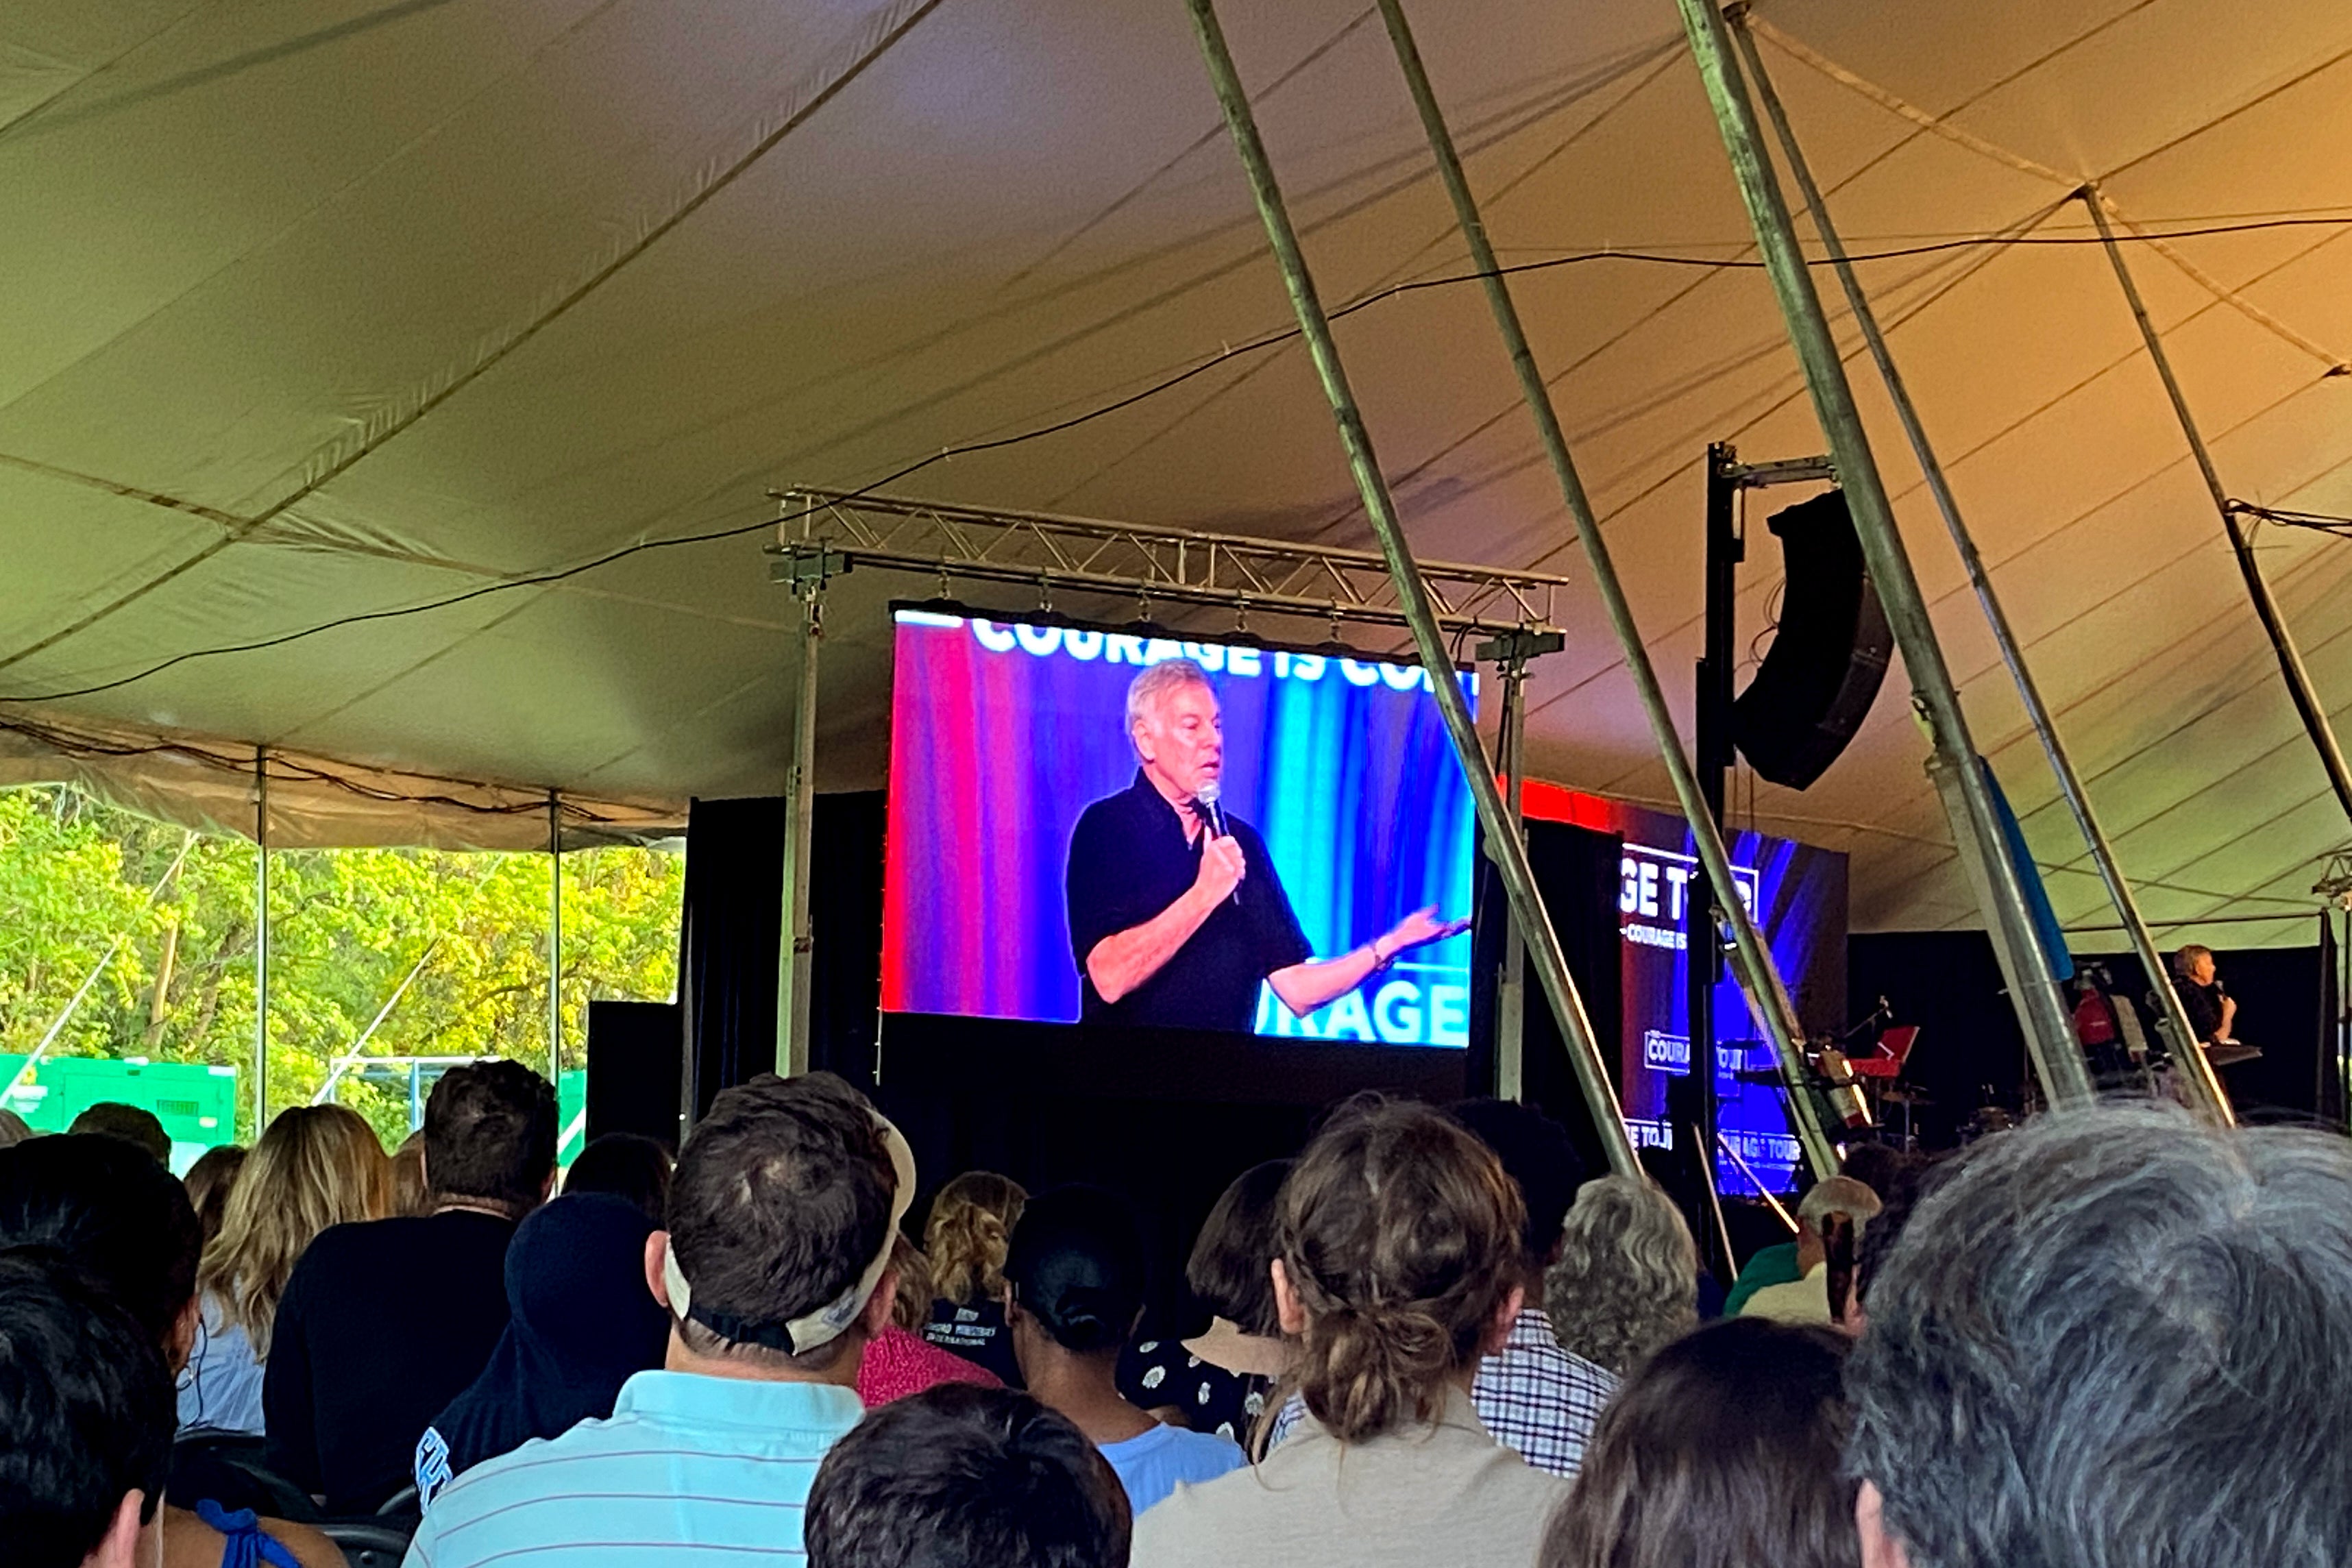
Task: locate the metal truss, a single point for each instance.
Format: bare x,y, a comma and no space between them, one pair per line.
822,533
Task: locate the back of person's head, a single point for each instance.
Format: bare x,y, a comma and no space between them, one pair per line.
781,1212
1876,1166
410,1195
1077,1265
1228,1270
1627,1277
314,1166
2117,1337
575,1283
13,1128
1904,1190
1400,1237
86,1417
910,1302
1538,1156
627,1165
209,1182
489,1136
116,1213
129,1122
1720,1451
970,1223
957,1477
1837,1195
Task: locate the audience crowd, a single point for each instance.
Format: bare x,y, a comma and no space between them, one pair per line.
2114,1337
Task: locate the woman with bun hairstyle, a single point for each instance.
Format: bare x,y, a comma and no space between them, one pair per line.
1073,1288
964,1240
1397,1266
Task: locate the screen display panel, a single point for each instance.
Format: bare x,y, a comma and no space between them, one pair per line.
1102,826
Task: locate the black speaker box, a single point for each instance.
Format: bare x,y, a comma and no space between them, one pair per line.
636,1065
1827,657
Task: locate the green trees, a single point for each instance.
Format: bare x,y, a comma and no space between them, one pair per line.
345,927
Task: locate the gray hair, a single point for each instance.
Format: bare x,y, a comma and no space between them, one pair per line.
1627,1278
1158,680
2188,955
2119,1339
1838,1195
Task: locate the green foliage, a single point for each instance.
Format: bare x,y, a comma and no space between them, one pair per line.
346,926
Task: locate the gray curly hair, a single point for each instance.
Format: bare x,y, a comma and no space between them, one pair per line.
1627,1278
2119,1339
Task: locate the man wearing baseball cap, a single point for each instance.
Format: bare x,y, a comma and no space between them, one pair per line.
775,1271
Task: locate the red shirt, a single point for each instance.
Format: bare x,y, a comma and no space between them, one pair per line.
898,1363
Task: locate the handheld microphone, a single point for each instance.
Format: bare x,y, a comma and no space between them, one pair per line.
1207,797
1211,792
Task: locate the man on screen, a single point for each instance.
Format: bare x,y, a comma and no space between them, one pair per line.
1176,913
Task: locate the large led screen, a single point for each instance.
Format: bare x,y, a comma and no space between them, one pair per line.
1100,826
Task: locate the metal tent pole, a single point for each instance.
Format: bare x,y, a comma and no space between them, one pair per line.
1511,994
793,969
1956,768
1761,977
2298,679
1412,595
554,939
261,940
2205,1084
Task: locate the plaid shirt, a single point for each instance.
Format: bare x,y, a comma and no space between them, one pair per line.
1539,1401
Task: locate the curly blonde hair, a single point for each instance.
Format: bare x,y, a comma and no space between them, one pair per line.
1627,1278
317,1165
969,1226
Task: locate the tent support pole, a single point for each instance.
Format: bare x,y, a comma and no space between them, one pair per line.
1759,974
261,940
2305,697
2203,1085
554,939
1413,596
1511,994
1966,792
794,971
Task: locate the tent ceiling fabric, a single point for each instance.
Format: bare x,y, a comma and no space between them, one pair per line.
321,309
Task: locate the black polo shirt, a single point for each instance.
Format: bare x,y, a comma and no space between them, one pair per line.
1128,861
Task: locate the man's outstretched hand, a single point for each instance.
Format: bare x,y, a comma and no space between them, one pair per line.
1415,930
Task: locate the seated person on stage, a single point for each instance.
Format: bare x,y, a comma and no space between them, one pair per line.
966,1477
969,1226
580,1324
1540,1400
316,1167
2114,1336
108,1209
1400,1265
1722,1449
85,1421
1176,913
1217,1382
383,1323
774,1272
1626,1278
1839,1201
1073,1286
2212,1011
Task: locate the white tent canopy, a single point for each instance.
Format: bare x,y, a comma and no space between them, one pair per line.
317,309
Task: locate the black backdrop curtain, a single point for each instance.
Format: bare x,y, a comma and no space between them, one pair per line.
1577,872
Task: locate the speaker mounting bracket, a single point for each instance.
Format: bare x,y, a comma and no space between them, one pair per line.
1786,471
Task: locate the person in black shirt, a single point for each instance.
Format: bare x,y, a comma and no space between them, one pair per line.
384,1323
1176,912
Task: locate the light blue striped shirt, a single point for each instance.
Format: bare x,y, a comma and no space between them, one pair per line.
689,1469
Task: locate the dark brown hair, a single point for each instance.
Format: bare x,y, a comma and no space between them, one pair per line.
781,1198
490,1135
1401,1235
1721,1451
1227,1270
208,1182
